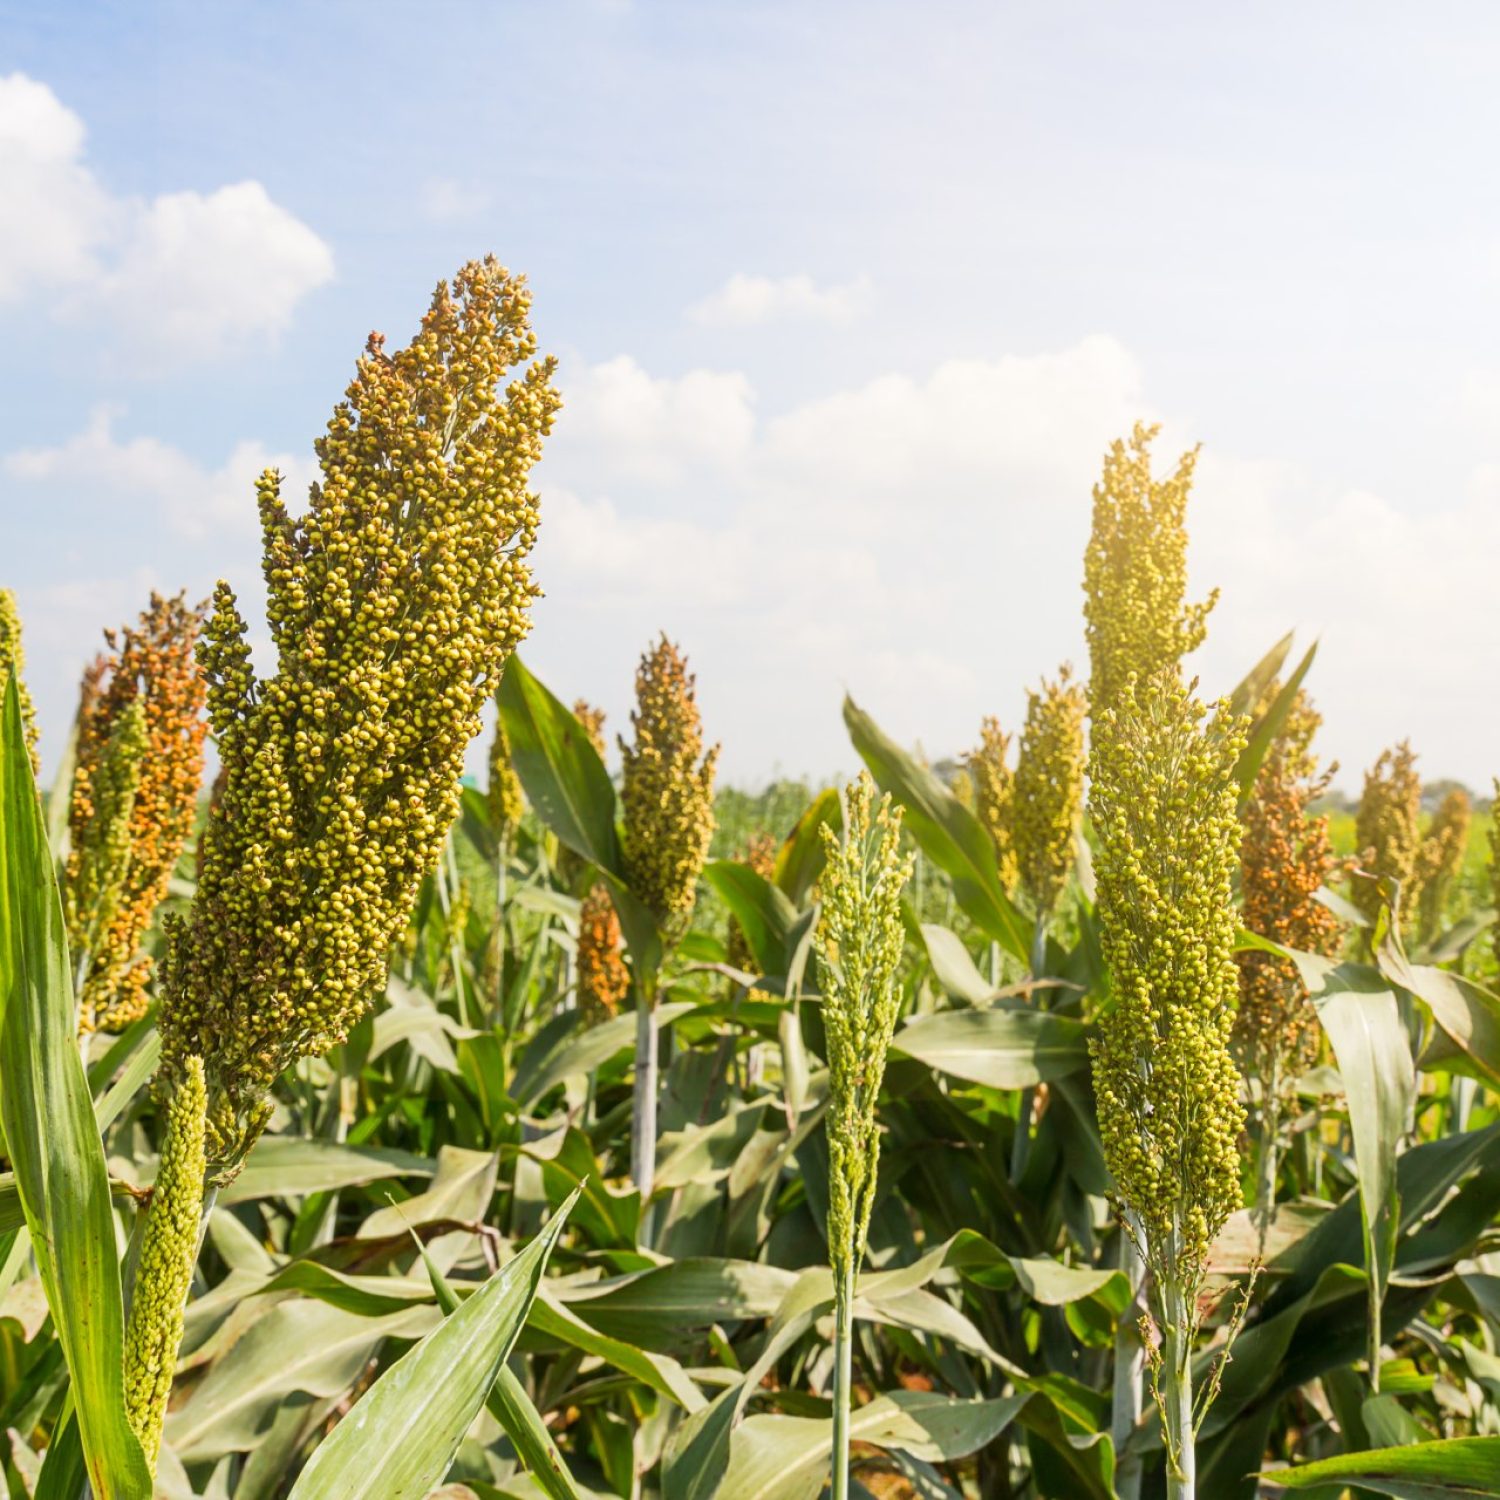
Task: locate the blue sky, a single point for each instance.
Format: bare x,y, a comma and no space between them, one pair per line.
849,300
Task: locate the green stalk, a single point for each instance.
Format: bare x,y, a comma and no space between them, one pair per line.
643,1102
1177,1372
1129,1376
1020,1152
843,1366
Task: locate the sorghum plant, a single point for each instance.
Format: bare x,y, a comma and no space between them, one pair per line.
859,941
1387,833
759,855
150,667
667,796
393,602
169,1248
603,979
667,790
1048,792
99,860
1135,571
13,660
1163,799
1285,860
503,792
592,720
995,797
1441,859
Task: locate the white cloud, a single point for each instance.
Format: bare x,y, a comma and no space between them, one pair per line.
194,501
179,277
744,301
918,540
621,422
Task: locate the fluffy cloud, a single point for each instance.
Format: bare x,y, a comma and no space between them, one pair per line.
180,277
195,502
744,301
918,541
915,540
621,423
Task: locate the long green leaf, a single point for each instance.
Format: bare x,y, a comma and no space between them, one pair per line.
1358,1011
764,912
398,1441
1006,1049
514,1410
949,834
573,795
52,1133
1452,1469
559,768
1265,729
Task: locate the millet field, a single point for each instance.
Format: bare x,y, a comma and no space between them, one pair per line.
1110,1111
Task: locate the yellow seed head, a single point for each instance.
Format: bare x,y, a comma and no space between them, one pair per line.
1387,832
592,720
13,659
393,603
1441,859
1163,801
667,792
1048,791
994,797
1135,572
504,795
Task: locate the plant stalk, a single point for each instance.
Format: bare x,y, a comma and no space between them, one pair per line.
643,1103
1129,1376
1177,1372
843,1366
1020,1151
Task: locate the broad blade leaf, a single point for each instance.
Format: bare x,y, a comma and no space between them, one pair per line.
561,771
1445,1470
764,912
949,834
398,1441
53,1136
1006,1049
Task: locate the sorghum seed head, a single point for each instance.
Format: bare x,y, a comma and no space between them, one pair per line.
1135,571
393,602
667,792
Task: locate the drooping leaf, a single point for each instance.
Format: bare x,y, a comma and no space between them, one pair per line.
949,834
1358,1011
765,914
786,1458
564,779
1006,1049
515,1411
400,1437
1450,1469
52,1132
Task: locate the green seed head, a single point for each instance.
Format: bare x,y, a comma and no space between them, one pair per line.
1135,572
994,797
393,602
667,792
13,659
859,942
1163,801
169,1249
1049,789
